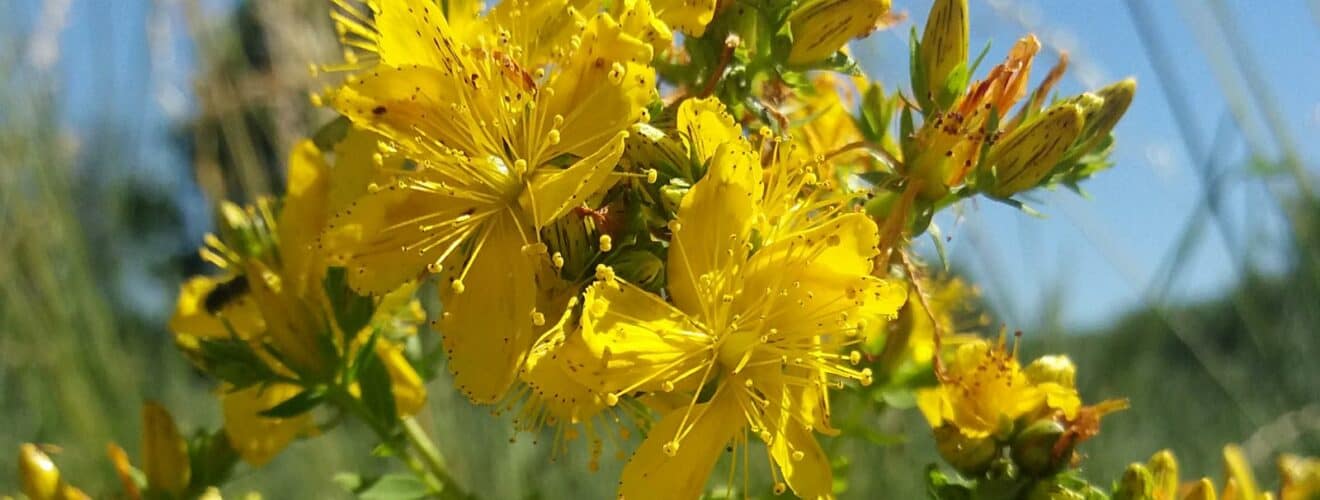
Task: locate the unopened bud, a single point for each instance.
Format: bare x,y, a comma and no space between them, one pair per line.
943,50
164,452
1022,159
1201,490
38,476
970,456
1055,368
1136,484
1100,119
821,27
1164,471
1033,448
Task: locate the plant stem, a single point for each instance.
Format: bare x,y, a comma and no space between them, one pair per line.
421,442
437,482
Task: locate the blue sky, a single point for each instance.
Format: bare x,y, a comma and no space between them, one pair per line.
1095,257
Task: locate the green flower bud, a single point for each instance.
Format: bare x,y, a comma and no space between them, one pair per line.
1136,484
1055,368
970,456
821,27
1022,159
943,50
1164,470
1033,449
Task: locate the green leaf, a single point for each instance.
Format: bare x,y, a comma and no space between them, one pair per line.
352,311
211,459
393,487
233,361
299,404
363,356
938,238
940,486
331,133
377,392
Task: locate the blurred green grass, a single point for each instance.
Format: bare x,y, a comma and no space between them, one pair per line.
76,361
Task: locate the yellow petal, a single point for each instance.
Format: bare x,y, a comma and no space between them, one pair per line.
653,474
554,191
414,32
539,27
633,340
417,106
713,227
192,317
819,280
1241,484
402,231
688,16
302,216
164,452
802,462
1061,398
409,389
256,438
601,90
488,328
933,405
707,125
355,168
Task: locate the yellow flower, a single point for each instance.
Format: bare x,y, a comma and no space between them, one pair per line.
752,340
507,130
276,296
983,391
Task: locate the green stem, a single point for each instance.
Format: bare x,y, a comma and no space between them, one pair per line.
434,482
420,441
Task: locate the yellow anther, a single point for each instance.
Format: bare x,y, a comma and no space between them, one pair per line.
606,243
553,137
538,319
558,260
652,175
457,286
670,448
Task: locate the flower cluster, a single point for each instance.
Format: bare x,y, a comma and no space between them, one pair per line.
685,218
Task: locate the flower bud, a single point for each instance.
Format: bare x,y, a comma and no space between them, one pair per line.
1102,113
37,474
1055,368
1021,160
1201,490
164,452
943,49
821,27
1033,448
969,455
1136,484
1164,470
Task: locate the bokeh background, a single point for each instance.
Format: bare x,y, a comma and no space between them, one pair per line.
1188,278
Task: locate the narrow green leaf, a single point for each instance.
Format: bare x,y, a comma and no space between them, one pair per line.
299,404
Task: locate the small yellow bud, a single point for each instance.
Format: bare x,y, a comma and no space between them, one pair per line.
1164,472
822,27
164,451
1201,490
1022,159
1136,484
38,476
1103,113
1054,368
